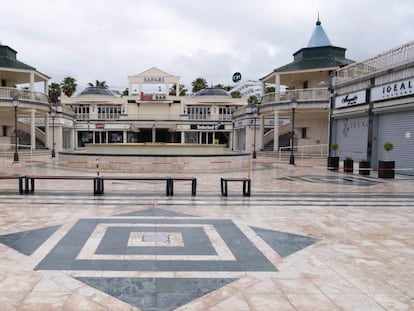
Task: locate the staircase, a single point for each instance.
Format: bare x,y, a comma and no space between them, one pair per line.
24,139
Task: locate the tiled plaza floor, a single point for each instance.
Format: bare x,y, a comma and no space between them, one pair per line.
306,239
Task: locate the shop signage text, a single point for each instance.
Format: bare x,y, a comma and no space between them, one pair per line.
153,80
350,99
396,89
207,126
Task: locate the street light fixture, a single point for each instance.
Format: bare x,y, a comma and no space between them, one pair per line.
15,104
53,115
255,115
293,105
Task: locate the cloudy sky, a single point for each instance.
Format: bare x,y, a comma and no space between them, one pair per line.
109,40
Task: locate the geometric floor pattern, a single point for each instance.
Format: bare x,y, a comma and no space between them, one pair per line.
160,241
340,180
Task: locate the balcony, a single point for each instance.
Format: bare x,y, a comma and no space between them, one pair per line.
311,98
7,94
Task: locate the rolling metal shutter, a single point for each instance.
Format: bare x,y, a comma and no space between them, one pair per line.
352,137
397,128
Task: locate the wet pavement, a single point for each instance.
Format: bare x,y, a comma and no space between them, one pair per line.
306,239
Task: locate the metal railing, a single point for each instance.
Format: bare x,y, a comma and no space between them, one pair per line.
306,151
10,92
398,56
302,95
8,149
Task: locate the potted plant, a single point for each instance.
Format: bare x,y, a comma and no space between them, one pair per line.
333,161
348,165
364,167
386,168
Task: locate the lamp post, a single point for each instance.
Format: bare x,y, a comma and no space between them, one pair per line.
232,136
53,115
15,104
293,105
255,115
75,141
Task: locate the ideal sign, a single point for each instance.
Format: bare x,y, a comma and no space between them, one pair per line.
391,90
350,99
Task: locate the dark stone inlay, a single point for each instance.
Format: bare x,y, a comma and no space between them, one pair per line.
161,294
284,243
248,257
153,212
115,242
342,180
27,242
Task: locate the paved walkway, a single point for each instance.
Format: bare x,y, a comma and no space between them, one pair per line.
306,239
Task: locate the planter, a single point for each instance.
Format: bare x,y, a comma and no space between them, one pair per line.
364,168
348,166
333,163
386,169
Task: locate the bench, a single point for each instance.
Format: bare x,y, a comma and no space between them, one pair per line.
169,182
246,185
20,181
30,181
98,182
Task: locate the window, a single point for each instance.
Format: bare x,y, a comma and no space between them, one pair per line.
109,112
304,132
81,112
225,113
198,113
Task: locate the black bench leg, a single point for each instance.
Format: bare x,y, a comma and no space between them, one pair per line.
21,180
246,187
193,187
170,187
98,186
223,187
32,185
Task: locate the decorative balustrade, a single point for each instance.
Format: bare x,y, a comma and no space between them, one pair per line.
24,95
302,96
398,56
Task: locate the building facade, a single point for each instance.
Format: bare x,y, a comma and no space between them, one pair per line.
153,116
374,104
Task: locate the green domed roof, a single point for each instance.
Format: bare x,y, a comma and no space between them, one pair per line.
211,91
95,90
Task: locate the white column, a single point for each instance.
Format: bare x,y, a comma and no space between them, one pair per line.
276,131
32,130
277,87
125,136
182,137
261,133
177,89
32,88
129,88
154,133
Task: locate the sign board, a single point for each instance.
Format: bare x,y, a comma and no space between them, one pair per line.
237,77
350,99
392,90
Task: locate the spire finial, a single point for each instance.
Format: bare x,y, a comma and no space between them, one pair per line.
318,22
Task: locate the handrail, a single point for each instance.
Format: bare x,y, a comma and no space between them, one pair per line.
9,93
8,149
398,56
300,150
300,95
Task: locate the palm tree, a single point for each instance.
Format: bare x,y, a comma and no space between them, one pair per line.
252,100
68,86
101,84
199,84
183,90
54,92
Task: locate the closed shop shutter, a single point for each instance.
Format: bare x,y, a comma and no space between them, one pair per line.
397,128
352,137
